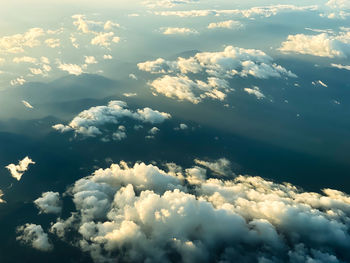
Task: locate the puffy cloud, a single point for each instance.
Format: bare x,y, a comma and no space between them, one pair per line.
27,104
231,62
338,9
34,236
107,57
255,91
18,42
153,131
322,45
18,170
178,31
90,60
72,69
18,81
49,203
105,39
229,24
53,42
145,214
347,67
86,123
264,11
120,134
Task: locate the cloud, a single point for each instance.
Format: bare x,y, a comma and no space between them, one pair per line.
319,83
231,62
120,134
263,11
27,104
53,42
220,167
18,170
24,59
87,122
339,9
90,60
143,213
178,31
255,91
346,67
129,94
1,195
105,39
34,236
49,203
321,45
18,42
107,57
72,69
229,24
18,81
167,3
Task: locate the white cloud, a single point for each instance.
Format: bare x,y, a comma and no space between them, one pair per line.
120,134
143,213
167,3
1,195
153,131
90,60
18,81
53,42
18,42
24,59
229,24
34,236
338,9
347,67
86,123
18,170
27,104
231,62
263,11
129,94
322,45
107,57
255,91
72,69
105,39
178,31
49,203
220,167
319,83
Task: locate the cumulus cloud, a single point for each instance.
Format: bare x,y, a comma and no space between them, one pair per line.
178,31
103,32
18,170
27,104
107,57
53,42
129,94
90,60
338,9
231,62
18,81
146,214
87,122
18,42
322,45
263,11
34,236
24,59
120,134
319,83
229,24
72,69
255,91
49,202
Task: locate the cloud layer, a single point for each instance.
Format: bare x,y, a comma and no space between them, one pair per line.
143,213
220,66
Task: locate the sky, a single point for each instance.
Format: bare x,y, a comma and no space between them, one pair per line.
174,131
